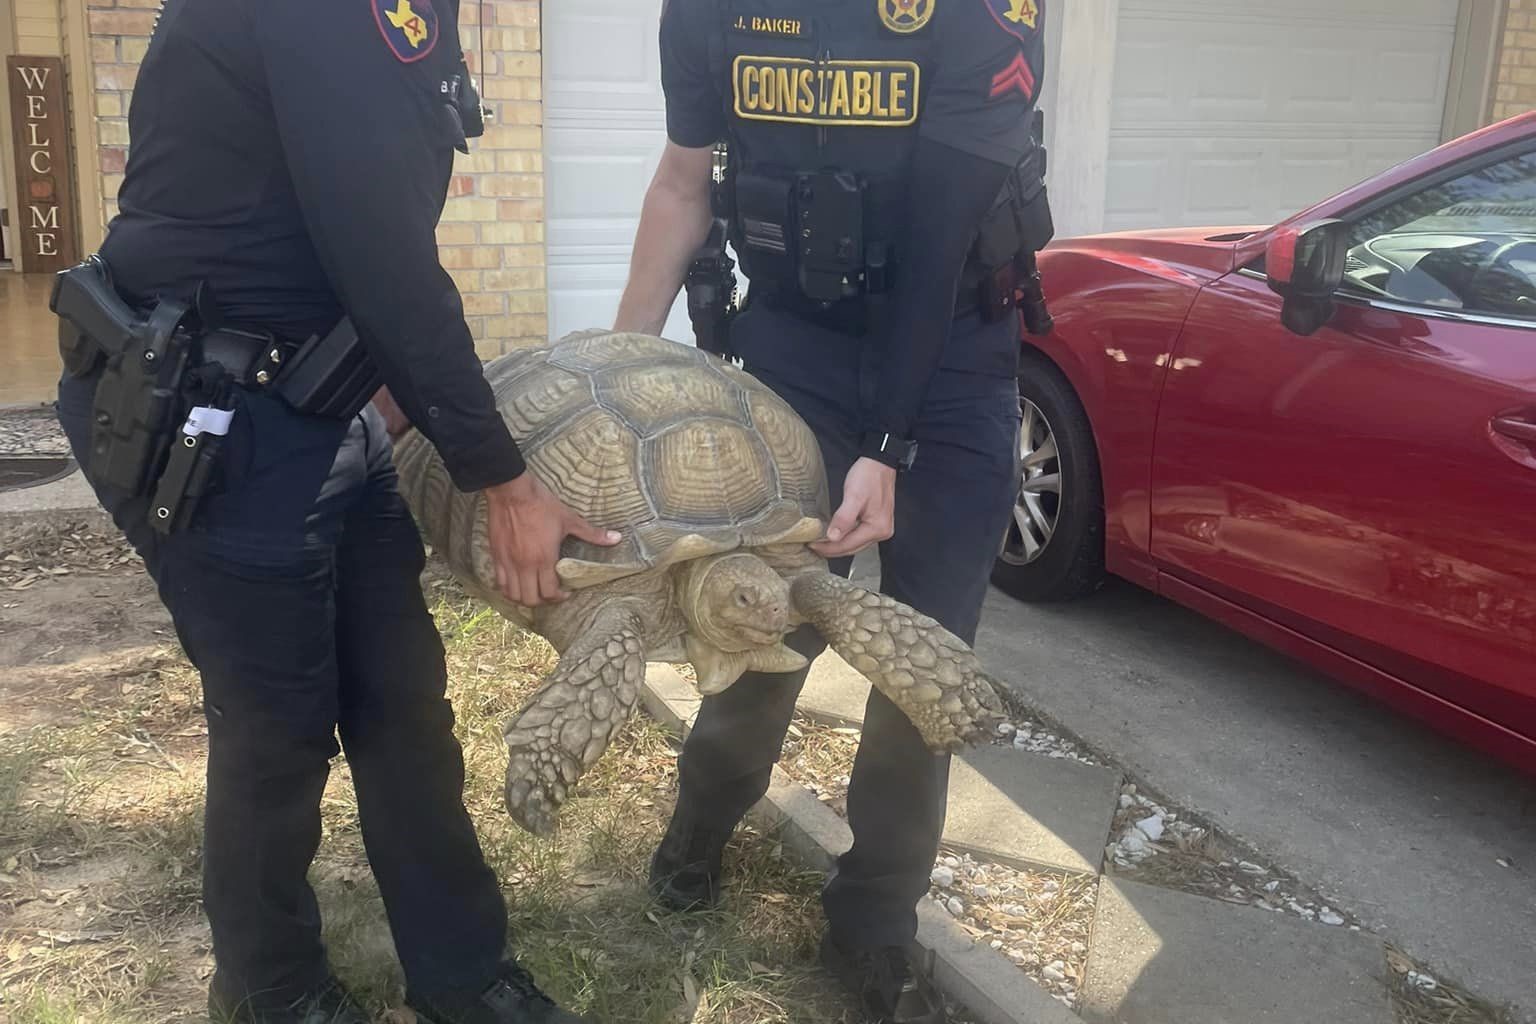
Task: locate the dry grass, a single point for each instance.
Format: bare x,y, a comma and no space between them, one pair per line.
100,831
1419,997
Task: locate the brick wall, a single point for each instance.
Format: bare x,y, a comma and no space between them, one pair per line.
1515,88
492,231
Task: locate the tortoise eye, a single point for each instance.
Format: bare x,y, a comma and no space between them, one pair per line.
744,598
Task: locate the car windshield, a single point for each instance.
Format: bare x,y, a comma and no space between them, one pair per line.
1466,244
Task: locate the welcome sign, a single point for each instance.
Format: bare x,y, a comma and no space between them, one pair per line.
45,220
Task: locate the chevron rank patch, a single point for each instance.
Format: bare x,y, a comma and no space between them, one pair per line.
1016,77
409,27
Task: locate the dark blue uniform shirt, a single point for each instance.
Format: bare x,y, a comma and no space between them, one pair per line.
981,73
296,157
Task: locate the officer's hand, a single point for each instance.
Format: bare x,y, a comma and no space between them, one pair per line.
868,513
395,420
526,526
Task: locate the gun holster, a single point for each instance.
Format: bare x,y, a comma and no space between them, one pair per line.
142,363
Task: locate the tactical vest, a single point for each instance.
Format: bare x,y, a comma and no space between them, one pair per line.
822,103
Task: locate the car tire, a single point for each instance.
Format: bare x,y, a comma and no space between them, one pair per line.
1061,557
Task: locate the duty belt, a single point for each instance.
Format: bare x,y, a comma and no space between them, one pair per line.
253,359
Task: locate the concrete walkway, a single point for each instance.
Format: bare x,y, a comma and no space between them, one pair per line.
1157,955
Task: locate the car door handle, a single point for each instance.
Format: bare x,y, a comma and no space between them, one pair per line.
1516,429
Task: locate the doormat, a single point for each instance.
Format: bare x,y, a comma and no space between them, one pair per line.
19,473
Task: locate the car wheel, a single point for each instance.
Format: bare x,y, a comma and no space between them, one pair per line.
1054,547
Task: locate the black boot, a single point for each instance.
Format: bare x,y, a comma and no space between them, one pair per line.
890,987
685,872
512,998
331,1005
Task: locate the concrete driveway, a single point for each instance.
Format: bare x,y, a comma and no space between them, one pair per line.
1400,826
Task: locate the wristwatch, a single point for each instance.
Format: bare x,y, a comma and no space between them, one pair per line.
896,452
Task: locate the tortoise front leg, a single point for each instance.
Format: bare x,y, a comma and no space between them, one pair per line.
565,727
929,673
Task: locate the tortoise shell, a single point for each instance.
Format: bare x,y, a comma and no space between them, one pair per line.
684,455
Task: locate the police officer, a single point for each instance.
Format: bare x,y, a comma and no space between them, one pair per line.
289,163
882,191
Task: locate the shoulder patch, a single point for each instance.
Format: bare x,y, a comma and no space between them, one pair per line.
1016,77
1019,18
410,27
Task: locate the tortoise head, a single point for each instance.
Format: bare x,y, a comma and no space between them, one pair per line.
738,611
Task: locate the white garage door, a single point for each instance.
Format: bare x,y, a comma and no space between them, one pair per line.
1245,111
603,135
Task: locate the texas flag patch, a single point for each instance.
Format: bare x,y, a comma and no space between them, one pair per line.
409,27
1020,18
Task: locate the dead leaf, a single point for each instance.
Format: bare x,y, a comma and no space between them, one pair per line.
74,938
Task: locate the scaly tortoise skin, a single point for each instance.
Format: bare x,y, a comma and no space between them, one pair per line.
717,487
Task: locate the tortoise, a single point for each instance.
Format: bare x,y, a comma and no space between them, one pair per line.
717,488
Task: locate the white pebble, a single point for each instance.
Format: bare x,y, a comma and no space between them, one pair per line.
981,892
952,862
997,943
1151,827
1328,917
1052,973
1006,729
1078,947
1126,800
943,877
1016,955
954,906
1423,981
1272,886
1134,843
1252,868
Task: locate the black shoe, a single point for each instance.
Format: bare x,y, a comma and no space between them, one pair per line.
331,1005
685,872
889,986
512,998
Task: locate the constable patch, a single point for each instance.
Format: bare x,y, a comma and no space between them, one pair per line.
905,16
409,27
839,92
1019,18
757,25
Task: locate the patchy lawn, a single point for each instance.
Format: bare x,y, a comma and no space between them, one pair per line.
101,774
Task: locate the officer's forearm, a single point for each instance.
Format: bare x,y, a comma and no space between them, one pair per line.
673,224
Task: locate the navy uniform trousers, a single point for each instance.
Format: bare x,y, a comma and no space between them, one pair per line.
297,596
952,508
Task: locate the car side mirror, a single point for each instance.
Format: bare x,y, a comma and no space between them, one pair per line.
1305,267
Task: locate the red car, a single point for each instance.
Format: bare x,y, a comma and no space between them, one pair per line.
1322,433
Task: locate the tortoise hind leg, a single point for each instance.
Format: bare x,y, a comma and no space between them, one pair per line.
565,727
929,673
